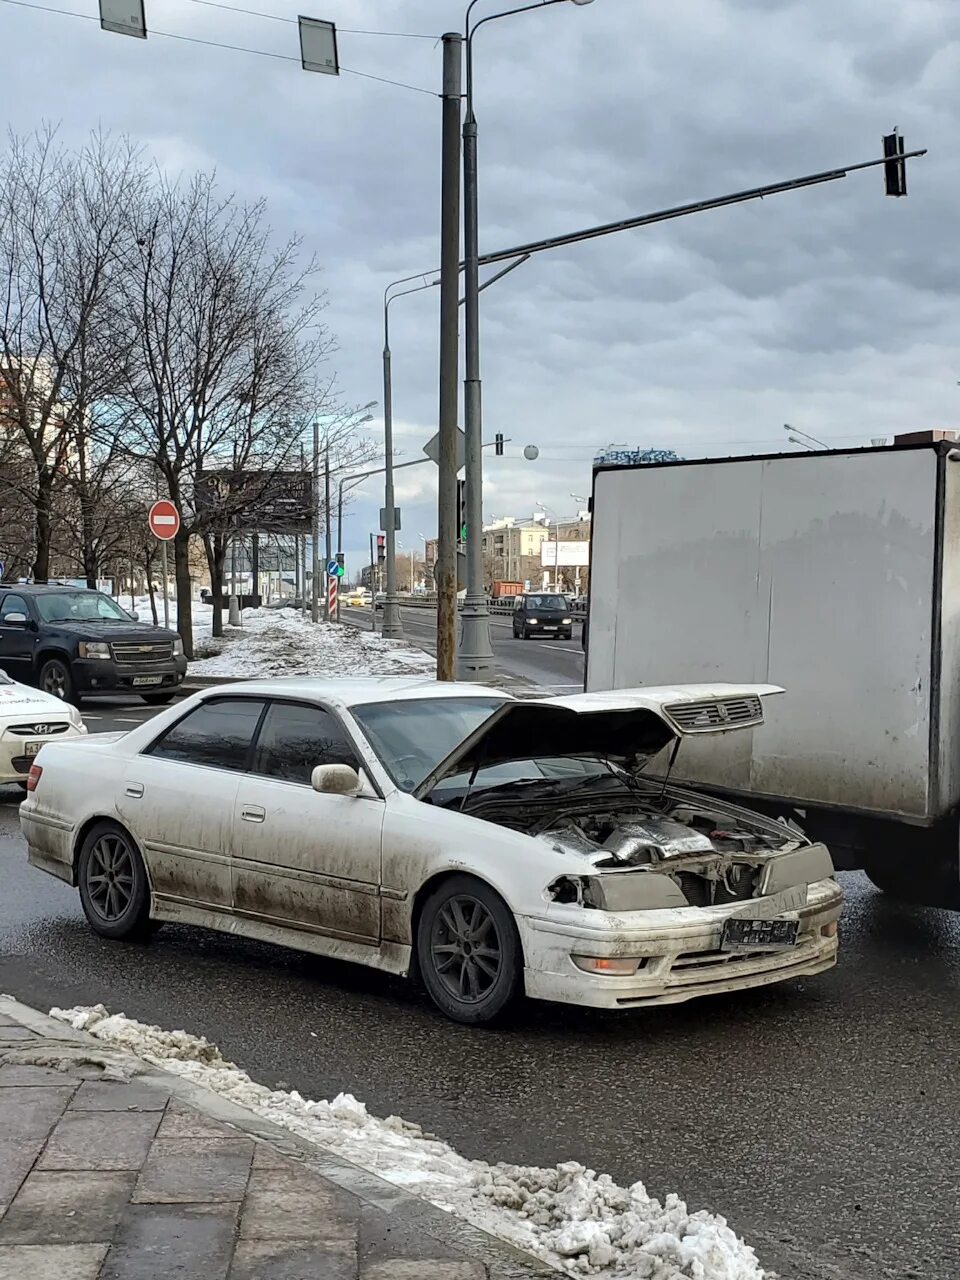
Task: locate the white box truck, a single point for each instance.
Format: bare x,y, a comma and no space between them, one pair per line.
835,575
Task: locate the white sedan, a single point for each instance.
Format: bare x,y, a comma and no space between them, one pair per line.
30,718
490,846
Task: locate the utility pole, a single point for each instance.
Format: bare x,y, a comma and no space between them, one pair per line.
475,657
446,564
392,625
315,522
327,519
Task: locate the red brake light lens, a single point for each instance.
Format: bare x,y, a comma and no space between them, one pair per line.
33,777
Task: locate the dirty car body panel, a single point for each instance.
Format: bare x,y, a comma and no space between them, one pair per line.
625,890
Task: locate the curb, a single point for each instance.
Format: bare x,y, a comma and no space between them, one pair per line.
505,1261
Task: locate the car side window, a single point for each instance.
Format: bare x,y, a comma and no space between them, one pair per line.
218,734
295,737
13,604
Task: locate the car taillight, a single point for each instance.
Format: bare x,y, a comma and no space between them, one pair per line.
34,776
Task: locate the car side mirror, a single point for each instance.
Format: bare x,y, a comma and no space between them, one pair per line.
16,619
335,780
134,615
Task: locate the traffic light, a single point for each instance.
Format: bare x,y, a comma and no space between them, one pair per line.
461,512
381,548
895,170
340,559
498,444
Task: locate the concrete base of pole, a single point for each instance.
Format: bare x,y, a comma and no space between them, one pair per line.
475,660
234,615
392,625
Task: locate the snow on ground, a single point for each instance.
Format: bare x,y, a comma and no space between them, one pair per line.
283,642
573,1218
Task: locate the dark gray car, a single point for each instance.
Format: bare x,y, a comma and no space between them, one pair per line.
542,614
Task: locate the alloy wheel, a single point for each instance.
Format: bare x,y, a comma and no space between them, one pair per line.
110,877
465,949
55,680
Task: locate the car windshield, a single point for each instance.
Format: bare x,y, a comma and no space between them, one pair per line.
559,604
79,606
412,736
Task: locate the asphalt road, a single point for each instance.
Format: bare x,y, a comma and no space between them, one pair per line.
555,665
820,1116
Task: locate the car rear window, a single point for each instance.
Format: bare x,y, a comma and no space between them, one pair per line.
216,734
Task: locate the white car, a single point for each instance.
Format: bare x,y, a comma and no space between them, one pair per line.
489,845
29,719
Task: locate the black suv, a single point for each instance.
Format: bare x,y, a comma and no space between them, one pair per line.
543,614
71,642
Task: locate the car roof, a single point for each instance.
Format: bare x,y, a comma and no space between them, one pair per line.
41,588
356,691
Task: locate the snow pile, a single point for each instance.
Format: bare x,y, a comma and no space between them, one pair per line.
576,1220
283,642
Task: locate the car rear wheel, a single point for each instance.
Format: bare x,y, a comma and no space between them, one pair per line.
157,699
113,884
468,951
57,679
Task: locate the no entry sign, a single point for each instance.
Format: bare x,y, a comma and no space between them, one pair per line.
164,520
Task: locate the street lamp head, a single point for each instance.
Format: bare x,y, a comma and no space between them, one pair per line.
531,452
583,1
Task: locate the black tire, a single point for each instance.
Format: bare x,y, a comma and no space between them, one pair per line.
114,891
57,678
928,886
157,699
468,951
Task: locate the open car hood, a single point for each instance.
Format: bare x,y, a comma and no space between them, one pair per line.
624,726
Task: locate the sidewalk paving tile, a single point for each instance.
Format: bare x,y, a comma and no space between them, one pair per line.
67,1207
424,1269
28,1116
93,1140
162,1241
183,1122
15,1073
195,1171
295,1204
111,1095
293,1260
51,1262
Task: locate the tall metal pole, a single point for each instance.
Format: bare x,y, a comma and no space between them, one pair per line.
374,582
315,531
328,540
166,585
392,624
475,657
445,570
339,534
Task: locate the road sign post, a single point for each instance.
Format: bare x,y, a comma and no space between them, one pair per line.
164,521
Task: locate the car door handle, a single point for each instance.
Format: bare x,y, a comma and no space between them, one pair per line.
253,813
134,789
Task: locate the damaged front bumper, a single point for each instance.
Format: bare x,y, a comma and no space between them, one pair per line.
678,952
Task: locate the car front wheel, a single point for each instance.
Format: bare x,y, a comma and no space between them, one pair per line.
468,951
57,679
114,892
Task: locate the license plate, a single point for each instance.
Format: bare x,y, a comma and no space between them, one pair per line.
759,935
31,748
140,681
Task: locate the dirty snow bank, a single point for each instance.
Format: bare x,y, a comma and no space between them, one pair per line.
282,642
578,1221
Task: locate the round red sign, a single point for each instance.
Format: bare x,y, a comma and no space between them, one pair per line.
164,520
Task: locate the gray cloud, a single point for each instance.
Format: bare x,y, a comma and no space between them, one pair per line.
833,308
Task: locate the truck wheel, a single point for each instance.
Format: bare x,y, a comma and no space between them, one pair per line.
157,699
56,678
930,886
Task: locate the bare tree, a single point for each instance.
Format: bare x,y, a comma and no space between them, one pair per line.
63,220
227,349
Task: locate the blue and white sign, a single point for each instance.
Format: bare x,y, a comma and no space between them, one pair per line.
2,567
332,568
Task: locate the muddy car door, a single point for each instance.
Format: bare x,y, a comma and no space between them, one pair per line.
178,799
303,859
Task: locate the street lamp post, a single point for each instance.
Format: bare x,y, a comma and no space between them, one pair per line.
548,511
475,658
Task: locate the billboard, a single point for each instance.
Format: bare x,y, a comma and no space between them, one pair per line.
627,455
258,501
573,555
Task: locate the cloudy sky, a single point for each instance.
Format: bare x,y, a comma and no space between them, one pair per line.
833,309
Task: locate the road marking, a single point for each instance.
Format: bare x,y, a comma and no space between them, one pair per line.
557,648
